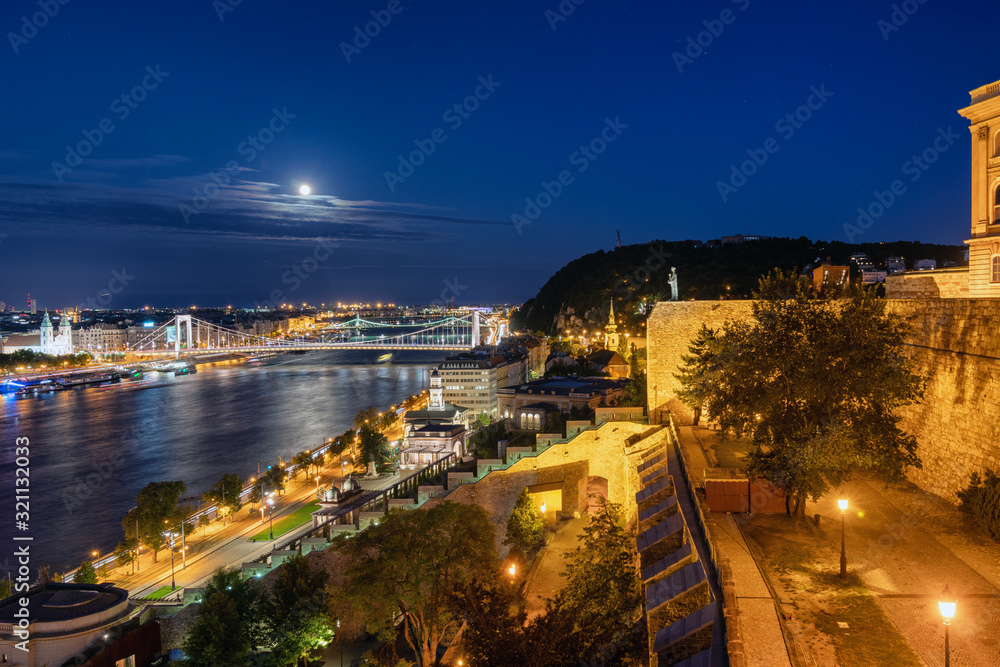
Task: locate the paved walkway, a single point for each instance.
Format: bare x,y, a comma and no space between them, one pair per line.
906,545
763,642
548,575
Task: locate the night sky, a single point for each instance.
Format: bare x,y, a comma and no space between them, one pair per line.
246,101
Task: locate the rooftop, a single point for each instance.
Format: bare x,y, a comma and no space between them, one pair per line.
62,602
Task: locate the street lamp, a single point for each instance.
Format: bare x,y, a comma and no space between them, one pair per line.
173,584
341,640
512,569
270,513
842,504
947,604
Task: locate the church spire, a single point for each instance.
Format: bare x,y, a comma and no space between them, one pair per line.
611,330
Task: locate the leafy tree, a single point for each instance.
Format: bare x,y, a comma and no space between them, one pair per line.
226,494
980,500
228,628
366,416
274,478
813,383
125,553
204,521
318,459
525,525
155,505
296,611
302,461
6,590
602,589
86,573
387,420
411,564
494,615
342,443
374,447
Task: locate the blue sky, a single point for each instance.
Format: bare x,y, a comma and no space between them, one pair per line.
190,182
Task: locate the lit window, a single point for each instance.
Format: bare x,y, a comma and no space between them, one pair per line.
995,269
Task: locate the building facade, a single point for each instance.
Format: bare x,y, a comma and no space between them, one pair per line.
983,114
46,341
101,338
533,400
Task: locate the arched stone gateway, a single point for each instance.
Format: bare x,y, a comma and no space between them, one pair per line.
594,488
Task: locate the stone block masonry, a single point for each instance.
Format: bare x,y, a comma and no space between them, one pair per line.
956,342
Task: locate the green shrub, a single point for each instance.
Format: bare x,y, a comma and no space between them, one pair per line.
980,500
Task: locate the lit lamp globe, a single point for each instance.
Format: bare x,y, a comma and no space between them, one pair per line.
842,504
947,604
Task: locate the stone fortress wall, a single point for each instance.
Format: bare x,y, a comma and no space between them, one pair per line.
954,341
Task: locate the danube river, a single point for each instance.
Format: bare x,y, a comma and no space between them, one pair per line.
93,449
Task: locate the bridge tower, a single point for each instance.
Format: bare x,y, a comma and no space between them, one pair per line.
475,328
178,319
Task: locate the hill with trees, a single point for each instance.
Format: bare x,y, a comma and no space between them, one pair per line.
636,276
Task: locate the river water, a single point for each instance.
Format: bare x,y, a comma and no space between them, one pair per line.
93,449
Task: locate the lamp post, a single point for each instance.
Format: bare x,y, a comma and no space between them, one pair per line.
947,604
842,504
173,584
270,514
341,640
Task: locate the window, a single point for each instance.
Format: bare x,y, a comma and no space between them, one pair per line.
995,269
996,205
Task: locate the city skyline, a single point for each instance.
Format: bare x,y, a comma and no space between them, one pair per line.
639,118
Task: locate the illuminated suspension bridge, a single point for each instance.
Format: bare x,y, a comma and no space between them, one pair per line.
188,335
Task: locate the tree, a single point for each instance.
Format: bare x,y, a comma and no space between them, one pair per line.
302,461
125,552
601,593
155,504
411,564
374,447
494,615
274,478
813,383
204,521
525,525
86,573
226,494
296,611
6,590
342,443
229,627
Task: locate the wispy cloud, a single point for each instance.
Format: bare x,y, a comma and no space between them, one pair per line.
144,193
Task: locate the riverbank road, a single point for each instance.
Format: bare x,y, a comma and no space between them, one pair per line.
229,545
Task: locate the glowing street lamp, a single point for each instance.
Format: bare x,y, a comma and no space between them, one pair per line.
947,604
512,569
842,504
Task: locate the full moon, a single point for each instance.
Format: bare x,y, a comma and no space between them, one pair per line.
304,189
